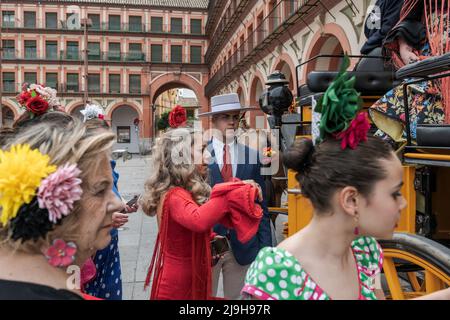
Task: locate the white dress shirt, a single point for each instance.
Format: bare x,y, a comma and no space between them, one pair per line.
218,151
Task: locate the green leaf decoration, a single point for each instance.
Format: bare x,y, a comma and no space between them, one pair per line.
33,94
339,104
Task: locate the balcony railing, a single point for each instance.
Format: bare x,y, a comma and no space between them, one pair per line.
262,35
96,56
105,26
13,88
132,56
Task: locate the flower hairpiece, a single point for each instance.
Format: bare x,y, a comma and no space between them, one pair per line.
92,111
177,117
37,99
340,111
35,195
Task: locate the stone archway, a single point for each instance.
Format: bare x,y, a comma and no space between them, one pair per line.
169,81
241,93
286,66
331,40
75,111
256,89
9,115
122,124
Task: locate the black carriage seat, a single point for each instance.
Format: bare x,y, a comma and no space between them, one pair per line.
374,77
368,83
429,135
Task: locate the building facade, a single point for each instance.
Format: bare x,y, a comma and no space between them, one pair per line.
249,40
136,51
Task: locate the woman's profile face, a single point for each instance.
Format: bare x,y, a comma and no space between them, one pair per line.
98,203
380,214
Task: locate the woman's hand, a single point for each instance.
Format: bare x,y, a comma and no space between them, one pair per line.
119,219
406,52
132,208
254,184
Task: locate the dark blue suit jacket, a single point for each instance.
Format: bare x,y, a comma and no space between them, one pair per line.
244,253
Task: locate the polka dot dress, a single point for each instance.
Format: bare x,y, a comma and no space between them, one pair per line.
277,275
108,282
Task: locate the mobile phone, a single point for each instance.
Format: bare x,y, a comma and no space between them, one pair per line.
219,246
133,201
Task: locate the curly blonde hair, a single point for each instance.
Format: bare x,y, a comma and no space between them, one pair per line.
173,167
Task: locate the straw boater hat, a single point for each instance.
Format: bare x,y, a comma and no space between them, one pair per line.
225,103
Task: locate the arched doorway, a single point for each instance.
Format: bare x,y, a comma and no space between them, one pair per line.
285,69
171,81
241,95
122,124
166,100
331,40
256,90
75,112
330,45
7,116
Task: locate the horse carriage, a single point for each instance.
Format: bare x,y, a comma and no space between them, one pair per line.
417,259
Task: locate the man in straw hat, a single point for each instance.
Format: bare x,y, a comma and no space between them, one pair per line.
230,159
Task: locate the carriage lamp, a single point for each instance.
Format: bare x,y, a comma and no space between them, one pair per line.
277,98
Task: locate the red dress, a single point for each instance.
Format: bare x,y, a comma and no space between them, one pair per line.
181,263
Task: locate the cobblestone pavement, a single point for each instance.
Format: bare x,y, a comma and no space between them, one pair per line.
137,239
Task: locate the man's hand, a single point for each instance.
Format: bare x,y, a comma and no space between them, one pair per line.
254,184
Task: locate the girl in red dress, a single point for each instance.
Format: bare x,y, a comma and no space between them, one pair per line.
186,209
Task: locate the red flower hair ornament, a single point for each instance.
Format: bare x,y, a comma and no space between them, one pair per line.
355,133
177,117
37,99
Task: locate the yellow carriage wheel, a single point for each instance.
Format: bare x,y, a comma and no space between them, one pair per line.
414,266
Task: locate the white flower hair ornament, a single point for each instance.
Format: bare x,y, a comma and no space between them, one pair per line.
92,111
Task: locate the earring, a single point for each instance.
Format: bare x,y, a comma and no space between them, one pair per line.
61,254
356,230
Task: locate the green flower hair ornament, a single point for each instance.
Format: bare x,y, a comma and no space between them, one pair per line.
339,105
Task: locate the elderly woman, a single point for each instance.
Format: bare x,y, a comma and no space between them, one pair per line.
56,209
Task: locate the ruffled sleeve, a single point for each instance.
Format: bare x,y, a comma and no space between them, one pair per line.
231,204
244,214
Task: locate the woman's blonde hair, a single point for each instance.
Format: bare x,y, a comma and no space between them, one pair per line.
173,167
66,143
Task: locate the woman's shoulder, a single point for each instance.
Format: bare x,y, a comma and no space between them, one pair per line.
275,274
175,193
17,290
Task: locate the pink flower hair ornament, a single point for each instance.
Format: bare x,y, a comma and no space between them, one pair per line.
59,191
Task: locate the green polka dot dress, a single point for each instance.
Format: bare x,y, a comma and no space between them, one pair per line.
277,275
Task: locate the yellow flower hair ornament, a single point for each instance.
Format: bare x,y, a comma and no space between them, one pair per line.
34,195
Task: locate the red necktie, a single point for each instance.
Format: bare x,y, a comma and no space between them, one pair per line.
227,170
